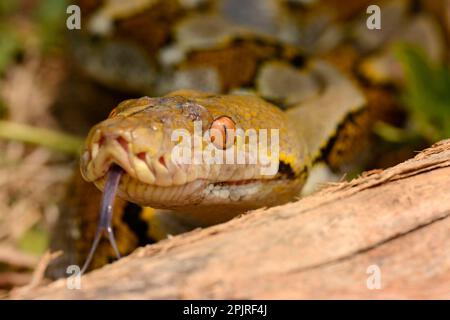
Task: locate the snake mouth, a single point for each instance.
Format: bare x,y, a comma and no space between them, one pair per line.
148,168
158,169
159,182
159,173
151,178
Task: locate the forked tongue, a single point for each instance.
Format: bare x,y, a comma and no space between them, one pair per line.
106,211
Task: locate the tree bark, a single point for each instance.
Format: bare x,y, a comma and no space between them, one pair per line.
385,234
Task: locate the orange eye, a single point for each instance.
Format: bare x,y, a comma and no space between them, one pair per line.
222,132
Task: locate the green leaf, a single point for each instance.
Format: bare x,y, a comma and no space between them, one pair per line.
426,94
50,18
34,241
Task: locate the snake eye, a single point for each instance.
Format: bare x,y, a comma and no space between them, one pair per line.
222,132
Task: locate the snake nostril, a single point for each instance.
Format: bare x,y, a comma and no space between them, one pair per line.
141,155
162,161
123,143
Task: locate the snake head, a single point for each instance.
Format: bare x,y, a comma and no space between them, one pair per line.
143,137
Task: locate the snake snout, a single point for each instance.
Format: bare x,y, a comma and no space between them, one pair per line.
140,152
103,149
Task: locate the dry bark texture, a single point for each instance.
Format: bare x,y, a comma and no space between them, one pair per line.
319,247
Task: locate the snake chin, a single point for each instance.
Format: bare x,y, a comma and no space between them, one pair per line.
198,193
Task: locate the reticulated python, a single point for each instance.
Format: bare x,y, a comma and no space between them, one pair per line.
230,65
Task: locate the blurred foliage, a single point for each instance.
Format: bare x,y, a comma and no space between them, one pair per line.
50,18
9,46
3,110
32,28
47,18
41,136
8,6
34,241
426,94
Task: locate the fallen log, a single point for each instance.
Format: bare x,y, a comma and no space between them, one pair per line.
385,234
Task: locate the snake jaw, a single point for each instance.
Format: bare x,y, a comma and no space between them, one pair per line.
160,183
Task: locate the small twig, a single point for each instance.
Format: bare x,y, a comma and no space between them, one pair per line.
393,134
39,273
41,136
